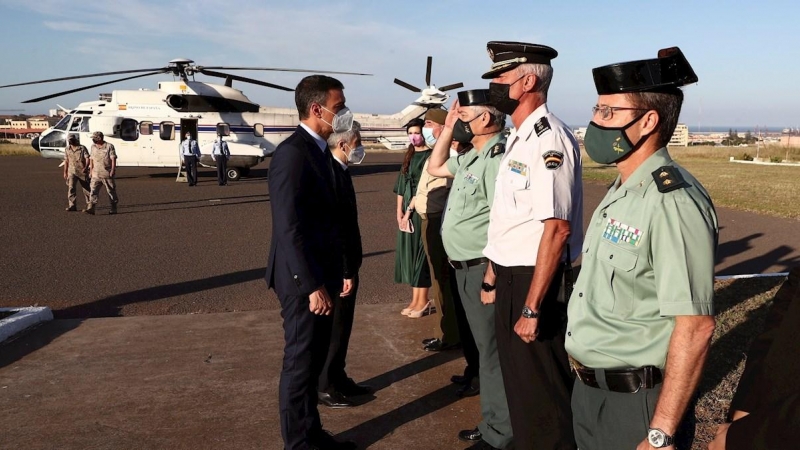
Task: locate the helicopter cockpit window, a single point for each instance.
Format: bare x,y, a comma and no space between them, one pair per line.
62,124
129,130
146,128
76,124
167,131
258,130
85,124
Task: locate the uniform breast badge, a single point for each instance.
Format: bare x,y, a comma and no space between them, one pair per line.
517,167
617,232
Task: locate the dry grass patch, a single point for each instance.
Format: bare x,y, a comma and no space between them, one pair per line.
17,149
764,189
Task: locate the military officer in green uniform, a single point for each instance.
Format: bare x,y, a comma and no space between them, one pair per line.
641,315
464,233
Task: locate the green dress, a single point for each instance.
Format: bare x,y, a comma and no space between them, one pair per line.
410,261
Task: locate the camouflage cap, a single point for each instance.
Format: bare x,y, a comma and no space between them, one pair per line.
97,134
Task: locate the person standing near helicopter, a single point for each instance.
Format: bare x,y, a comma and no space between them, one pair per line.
221,154
190,154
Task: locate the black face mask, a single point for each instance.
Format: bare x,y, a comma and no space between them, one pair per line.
500,99
462,132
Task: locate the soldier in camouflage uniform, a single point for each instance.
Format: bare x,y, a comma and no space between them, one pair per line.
76,171
103,165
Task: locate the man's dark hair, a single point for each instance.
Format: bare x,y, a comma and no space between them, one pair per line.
313,89
667,103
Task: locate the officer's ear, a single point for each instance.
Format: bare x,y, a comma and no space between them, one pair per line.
530,82
649,122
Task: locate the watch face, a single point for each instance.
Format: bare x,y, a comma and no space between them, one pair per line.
656,438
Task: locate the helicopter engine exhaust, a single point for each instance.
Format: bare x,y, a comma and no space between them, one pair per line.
177,102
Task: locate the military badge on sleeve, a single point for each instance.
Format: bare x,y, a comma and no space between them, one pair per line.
553,159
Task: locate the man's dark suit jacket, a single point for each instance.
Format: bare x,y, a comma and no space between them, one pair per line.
305,252
350,233
769,388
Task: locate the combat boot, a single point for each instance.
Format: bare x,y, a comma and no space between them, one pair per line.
89,210
113,209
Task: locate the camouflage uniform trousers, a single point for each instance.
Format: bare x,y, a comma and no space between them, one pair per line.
111,187
72,181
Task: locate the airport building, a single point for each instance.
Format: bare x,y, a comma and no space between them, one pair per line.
680,138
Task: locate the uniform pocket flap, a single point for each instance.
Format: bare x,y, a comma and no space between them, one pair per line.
616,256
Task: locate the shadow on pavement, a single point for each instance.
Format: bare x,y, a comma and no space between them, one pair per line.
776,257
413,368
110,306
34,339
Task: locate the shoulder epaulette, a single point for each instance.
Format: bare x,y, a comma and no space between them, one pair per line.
498,149
541,126
668,178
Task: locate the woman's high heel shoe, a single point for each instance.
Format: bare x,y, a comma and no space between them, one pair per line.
405,311
422,312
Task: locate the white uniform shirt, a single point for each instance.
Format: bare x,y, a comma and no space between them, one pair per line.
539,179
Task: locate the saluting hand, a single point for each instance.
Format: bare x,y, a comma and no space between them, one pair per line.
527,329
452,115
319,302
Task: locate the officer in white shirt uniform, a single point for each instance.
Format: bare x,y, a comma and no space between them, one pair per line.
536,216
221,155
190,154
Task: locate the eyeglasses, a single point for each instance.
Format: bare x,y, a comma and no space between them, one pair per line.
607,112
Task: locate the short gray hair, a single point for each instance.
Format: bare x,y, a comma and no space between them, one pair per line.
543,72
346,136
497,117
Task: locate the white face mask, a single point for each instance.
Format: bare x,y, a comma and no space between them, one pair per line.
342,120
356,155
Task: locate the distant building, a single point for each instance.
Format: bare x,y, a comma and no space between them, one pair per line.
580,133
680,138
38,124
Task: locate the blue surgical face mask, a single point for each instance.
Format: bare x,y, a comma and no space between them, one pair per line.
427,133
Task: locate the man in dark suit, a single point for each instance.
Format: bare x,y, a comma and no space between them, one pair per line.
766,407
304,268
334,385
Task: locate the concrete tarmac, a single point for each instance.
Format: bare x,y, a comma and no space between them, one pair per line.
174,249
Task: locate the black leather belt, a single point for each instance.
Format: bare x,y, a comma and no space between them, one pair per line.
620,380
471,263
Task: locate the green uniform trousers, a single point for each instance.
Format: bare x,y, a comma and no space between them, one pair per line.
495,422
611,420
447,330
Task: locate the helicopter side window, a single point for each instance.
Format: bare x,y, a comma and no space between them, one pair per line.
258,130
76,124
62,124
167,131
85,125
129,130
146,128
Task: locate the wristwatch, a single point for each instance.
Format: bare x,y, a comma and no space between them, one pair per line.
658,439
486,287
529,313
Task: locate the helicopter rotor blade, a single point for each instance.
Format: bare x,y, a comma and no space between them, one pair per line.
278,69
428,71
451,86
119,72
410,87
228,76
58,94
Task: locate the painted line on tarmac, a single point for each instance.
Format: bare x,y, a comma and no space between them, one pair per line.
752,275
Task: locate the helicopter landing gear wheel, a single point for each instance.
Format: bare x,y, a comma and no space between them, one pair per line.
234,173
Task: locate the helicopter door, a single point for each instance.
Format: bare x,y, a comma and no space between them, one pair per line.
188,125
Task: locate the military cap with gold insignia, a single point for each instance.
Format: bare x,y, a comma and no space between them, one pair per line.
670,69
474,97
508,55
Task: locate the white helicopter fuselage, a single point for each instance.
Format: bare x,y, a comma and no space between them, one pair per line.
146,126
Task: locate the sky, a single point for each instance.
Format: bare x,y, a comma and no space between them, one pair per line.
746,54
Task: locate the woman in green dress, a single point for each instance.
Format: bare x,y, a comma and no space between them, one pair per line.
411,263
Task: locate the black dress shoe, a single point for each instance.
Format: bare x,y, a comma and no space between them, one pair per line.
427,341
460,379
353,389
481,445
469,390
334,400
439,346
324,441
470,435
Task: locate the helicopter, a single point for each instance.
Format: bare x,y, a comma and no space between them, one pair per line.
146,125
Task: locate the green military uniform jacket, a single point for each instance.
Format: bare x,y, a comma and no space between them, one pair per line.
648,256
466,220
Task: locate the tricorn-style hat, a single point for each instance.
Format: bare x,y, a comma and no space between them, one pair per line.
436,115
670,69
508,55
474,97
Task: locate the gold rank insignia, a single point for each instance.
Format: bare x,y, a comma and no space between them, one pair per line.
668,178
616,146
498,149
